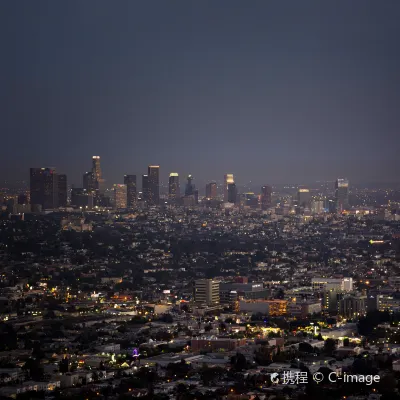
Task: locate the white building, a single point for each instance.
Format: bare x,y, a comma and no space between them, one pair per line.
324,284
206,291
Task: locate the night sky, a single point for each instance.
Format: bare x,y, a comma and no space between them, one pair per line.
271,91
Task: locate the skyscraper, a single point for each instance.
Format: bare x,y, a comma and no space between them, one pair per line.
173,186
89,183
130,182
43,188
228,178
342,194
232,193
99,182
96,169
189,189
303,197
266,197
120,196
145,188
62,190
211,190
154,184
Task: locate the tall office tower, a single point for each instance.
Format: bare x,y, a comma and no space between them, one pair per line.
342,194
190,187
228,179
266,197
206,291
317,206
62,190
120,196
232,193
145,188
89,183
130,182
154,184
96,169
99,182
174,190
303,197
211,190
43,188
80,197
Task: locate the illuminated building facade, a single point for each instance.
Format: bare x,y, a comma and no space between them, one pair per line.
154,184
96,169
317,206
344,284
342,194
174,190
228,179
303,197
145,188
130,182
266,197
352,306
99,182
120,196
206,291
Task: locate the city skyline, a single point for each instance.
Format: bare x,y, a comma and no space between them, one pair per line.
268,93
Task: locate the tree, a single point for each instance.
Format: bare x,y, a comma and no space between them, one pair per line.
329,346
167,318
239,362
305,347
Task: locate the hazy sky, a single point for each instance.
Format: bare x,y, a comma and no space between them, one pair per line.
272,91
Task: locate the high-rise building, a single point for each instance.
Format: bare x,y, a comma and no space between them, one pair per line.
232,193
206,291
211,190
266,197
120,196
317,206
352,306
250,200
342,194
89,182
303,197
130,182
190,187
80,197
96,169
173,186
228,179
43,188
145,188
62,190
99,182
154,184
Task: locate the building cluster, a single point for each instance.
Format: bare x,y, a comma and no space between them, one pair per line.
49,191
